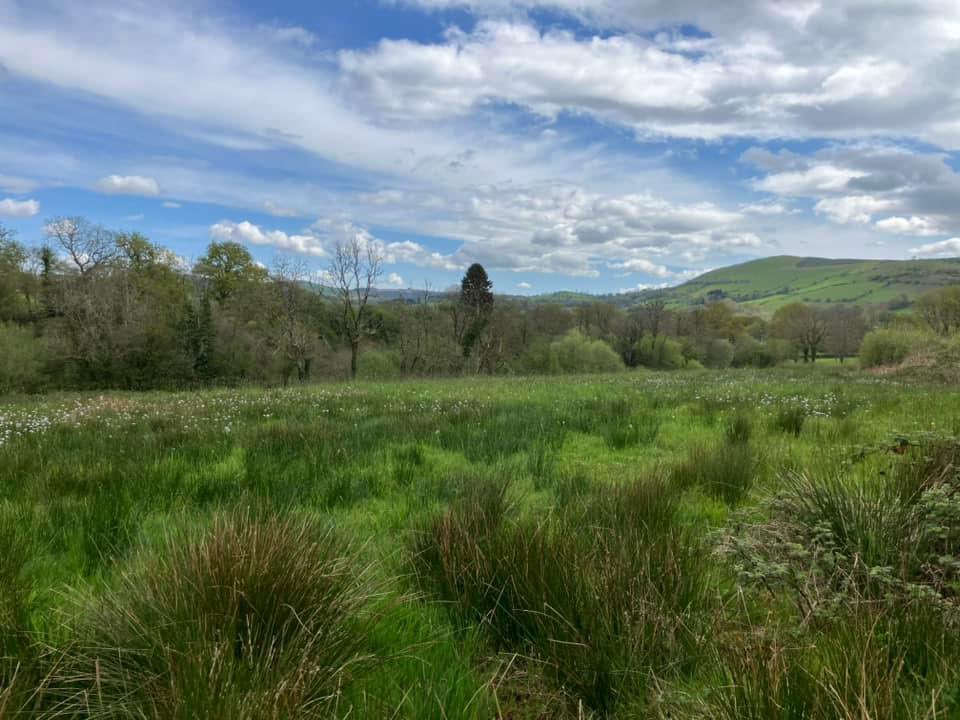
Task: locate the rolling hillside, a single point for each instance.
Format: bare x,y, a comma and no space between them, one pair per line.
765,284
771,282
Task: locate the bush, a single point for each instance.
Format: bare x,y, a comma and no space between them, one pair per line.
539,359
719,354
21,359
748,352
660,353
256,619
891,346
578,354
379,365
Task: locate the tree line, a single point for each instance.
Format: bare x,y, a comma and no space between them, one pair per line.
93,307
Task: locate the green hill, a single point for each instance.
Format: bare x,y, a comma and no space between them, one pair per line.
771,282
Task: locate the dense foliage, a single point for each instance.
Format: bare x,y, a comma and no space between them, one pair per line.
96,308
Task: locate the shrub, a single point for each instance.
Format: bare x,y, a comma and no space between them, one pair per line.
719,354
21,359
379,365
891,346
259,618
539,359
660,353
748,352
832,536
577,354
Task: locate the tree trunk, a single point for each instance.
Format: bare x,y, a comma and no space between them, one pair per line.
354,354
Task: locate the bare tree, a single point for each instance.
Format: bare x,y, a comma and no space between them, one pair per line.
87,246
354,270
295,331
846,327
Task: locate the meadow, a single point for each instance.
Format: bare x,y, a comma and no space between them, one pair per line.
699,544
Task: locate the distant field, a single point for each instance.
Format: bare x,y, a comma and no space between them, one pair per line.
772,282
736,544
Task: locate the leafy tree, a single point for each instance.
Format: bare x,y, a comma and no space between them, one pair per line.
940,309
802,325
12,277
226,268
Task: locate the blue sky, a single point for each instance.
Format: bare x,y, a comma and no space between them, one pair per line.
597,145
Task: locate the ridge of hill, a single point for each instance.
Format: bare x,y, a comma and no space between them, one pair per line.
766,284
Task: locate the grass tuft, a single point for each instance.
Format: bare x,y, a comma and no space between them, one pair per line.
258,618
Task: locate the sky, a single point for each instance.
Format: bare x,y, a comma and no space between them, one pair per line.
591,145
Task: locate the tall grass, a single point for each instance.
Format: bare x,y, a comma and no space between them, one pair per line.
549,582
258,618
726,471
600,595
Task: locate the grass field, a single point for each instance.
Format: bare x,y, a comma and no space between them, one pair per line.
769,283
737,544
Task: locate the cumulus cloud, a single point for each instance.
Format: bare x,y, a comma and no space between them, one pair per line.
912,225
942,248
899,190
394,280
524,286
645,266
758,74
9,207
128,185
247,233
853,208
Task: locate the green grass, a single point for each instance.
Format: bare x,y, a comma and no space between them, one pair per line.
771,282
778,543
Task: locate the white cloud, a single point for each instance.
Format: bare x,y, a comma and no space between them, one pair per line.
248,233
772,208
913,225
18,185
12,208
643,265
279,210
943,248
394,280
842,69
128,185
914,193
811,181
524,286
853,208
172,205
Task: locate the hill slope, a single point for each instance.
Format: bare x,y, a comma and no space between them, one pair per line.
771,282
766,284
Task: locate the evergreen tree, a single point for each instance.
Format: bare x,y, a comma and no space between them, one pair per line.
476,304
